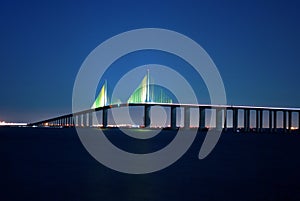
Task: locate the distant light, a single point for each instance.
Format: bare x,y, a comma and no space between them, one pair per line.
3,123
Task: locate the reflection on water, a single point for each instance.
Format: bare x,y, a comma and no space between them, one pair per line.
51,164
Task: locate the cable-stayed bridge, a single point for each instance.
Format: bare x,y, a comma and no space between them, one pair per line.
149,95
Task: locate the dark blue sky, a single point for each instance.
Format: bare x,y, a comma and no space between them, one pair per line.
255,45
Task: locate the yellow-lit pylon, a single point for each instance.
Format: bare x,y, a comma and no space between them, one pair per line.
101,99
141,94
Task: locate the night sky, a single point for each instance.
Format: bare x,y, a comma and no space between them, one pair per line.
254,44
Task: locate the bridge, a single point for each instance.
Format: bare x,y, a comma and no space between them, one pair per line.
146,96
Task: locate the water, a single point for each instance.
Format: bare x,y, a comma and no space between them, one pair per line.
51,164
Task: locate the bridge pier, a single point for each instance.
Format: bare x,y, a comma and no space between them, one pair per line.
219,119
80,120
147,117
73,121
104,117
83,120
261,121
270,121
201,118
274,121
86,120
225,119
246,120
257,120
284,121
298,121
173,117
289,121
187,117
90,119
235,119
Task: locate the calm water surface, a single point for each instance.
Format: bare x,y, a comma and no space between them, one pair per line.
51,164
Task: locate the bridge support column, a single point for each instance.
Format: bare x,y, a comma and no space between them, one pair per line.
219,119
201,118
84,116
290,121
246,120
87,119
186,117
298,121
147,118
261,121
274,121
90,119
257,120
104,117
235,119
83,120
270,121
173,117
284,121
73,121
225,119
80,120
